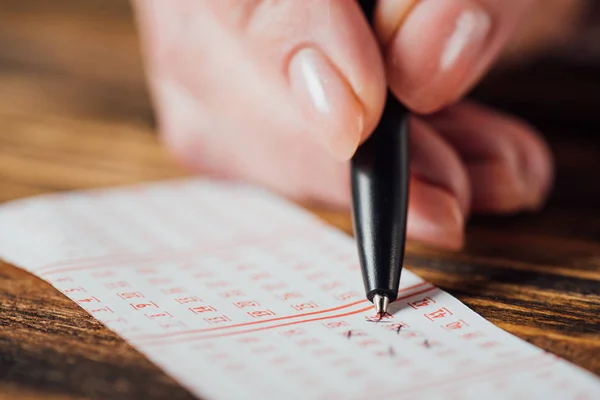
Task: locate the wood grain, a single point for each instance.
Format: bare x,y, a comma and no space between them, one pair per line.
74,113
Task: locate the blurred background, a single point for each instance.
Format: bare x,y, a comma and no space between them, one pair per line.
69,57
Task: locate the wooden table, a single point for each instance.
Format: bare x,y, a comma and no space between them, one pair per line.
74,114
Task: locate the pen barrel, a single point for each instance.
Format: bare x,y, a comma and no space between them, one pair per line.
379,178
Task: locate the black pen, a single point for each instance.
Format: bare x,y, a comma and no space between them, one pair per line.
380,180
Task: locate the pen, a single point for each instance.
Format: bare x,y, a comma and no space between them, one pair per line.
380,180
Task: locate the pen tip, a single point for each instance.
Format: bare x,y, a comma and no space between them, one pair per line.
381,304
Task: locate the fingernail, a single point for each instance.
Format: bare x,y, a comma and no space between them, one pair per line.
470,30
539,177
332,109
389,16
499,188
436,51
435,216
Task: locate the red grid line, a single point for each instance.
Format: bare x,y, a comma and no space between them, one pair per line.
308,314
128,257
135,259
186,339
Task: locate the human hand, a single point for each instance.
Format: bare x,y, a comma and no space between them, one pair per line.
282,92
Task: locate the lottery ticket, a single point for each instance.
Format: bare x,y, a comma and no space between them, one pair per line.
239,294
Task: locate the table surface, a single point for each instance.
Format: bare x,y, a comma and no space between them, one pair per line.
74,113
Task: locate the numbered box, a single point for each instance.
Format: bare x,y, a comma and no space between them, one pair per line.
142,306
292,332
246,303
424,302
218,320
335,324
438,314
173,325
163,314
472,335
75,289
305,306
396,327
260,313
101,310
289,295
86,300
202,309
187,300
173,290
451,326
130,295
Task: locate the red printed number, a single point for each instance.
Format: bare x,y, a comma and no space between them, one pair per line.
422,303
159,315
455,325
290,295
89,300
472,335
243,304
292,332
217,320
103,309
260,313
305,306
77,289
174,290
437,314
185,300
335,324
395,327
202,309
171,325
139,306
130,295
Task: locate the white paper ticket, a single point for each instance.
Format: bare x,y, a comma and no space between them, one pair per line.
239,294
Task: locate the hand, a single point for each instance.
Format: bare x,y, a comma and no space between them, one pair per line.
282,92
